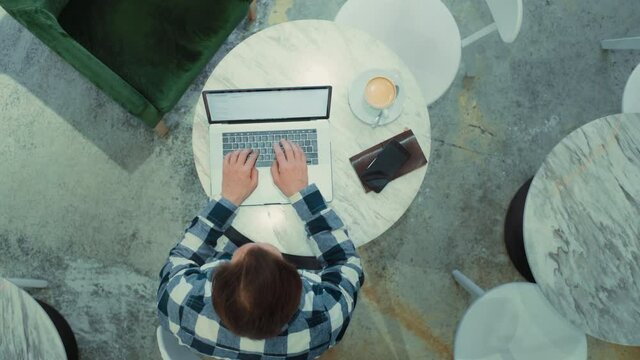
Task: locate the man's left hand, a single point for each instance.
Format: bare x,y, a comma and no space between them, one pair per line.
239,175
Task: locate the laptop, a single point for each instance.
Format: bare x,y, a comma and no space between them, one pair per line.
258,118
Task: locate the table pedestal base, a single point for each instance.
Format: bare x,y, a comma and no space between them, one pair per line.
513,232
66,334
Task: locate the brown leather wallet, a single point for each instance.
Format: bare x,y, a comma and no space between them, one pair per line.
407,139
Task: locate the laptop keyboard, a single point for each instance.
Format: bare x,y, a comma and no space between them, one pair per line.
263,141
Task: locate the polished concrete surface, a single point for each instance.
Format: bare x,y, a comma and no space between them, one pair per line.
92,201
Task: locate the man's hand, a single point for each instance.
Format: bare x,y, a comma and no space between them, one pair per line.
239,175
289,170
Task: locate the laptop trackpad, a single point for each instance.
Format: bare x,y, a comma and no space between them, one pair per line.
266,193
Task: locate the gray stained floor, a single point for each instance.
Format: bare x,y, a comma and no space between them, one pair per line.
92,201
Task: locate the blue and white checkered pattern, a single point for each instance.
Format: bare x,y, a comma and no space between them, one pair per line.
185,307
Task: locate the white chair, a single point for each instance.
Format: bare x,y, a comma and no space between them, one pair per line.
170,349
631,95
423,33
507,17
514,321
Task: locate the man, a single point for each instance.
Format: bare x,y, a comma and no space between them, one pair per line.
248,302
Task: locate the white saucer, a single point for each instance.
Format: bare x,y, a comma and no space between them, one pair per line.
359,106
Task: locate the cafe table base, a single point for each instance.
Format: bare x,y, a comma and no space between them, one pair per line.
66,334
513,232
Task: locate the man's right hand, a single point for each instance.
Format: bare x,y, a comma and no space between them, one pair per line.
289,169
239,175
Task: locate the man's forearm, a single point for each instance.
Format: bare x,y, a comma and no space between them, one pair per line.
342,274
323,226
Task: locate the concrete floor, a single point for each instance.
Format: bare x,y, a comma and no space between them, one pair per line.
92,201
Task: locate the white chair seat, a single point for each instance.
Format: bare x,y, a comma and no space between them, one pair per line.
515,321
423,33
631,96
170,349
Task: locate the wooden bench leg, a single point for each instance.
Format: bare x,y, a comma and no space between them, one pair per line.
253,11
161,129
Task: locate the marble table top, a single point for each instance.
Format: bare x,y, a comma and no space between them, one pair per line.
582,228
318,52
26,331
422,32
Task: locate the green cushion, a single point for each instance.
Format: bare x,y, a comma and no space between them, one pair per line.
51,6
157,46
43,24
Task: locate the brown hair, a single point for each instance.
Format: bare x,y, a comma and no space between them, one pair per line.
258,295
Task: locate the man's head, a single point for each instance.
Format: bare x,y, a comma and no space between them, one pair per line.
257,293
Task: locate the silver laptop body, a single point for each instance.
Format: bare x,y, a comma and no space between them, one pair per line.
256,118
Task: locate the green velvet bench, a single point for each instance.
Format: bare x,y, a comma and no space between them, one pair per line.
142,53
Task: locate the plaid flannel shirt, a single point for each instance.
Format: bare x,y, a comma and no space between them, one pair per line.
185,306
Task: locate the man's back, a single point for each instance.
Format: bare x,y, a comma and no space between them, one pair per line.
188,282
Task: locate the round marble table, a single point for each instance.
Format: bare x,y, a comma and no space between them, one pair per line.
422,32
582,228
26,331
317,52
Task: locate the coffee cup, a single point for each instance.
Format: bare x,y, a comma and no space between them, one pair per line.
380,92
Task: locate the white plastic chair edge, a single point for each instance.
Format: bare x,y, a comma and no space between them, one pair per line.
161,345
629,104
165,348
29,283
468,284
494,27
630,43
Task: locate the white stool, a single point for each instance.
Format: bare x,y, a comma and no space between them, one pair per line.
507,16
170,349
514,322
423,33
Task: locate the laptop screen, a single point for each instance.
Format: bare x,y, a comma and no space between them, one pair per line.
273,104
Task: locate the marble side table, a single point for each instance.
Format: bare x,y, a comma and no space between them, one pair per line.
318,52
26,331
582,228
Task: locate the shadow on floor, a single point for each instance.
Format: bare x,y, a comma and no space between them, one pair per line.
118,134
